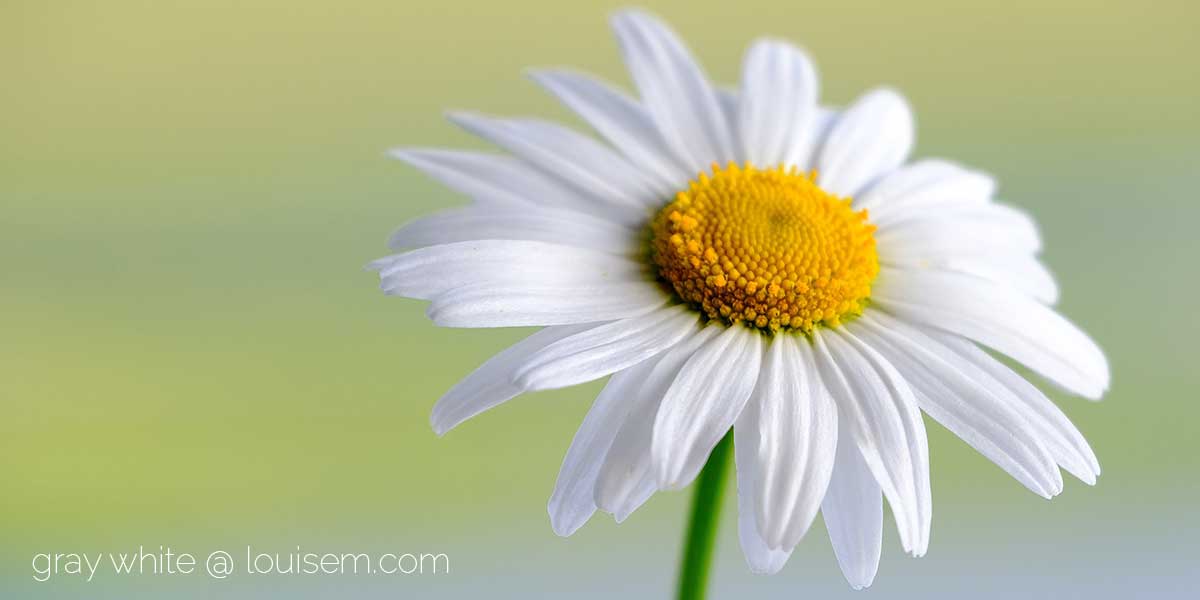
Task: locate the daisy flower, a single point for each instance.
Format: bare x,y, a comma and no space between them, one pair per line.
753,261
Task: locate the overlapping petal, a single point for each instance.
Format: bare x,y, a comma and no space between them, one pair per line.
777,112
491,384
881,414
605,349
575,160
1001,318
853,513
792,421
572,502
553,225
622,121
963,402
702,404
674,90
627,478
871,138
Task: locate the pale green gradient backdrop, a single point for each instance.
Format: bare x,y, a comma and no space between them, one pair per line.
191,355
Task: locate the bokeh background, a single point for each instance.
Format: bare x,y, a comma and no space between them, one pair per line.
191,355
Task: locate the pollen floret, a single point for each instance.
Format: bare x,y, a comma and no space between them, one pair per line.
765,247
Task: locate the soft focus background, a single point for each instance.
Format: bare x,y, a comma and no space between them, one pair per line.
191,355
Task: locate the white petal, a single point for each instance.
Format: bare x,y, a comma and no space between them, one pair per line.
853,513
498,181
490,384
778,105
885,421
984,230
571,504
761,559
870,139
759,555
576,160
556,226
702,404
521,305
434,270
999,317
914,431
1023,272
925,187
962,402
627,478
1061,437
605,349
622,121
827,117
796,434
728,99
674,90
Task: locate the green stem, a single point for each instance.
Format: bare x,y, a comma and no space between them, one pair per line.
702,525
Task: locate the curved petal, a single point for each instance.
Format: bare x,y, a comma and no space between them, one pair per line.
925,187
490,384
870,139
760,557
853,513
796,431
571,504
703,402
606,349
1001,318
914,430
885,421
776,119
1023,272
964,404
429,272
489,179
620,120
574,159
983,230
521,305
1061,437
627,478
674,90
552,225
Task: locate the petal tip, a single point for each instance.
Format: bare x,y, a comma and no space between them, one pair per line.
398,153
378,264
564,524
561,531
463,118
666,478
440,425
861,581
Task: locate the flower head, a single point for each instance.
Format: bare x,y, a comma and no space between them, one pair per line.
752,260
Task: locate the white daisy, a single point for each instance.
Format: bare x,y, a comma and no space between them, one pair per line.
756,261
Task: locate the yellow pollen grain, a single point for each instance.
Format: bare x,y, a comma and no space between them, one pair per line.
766,247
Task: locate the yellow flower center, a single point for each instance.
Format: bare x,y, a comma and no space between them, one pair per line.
767,248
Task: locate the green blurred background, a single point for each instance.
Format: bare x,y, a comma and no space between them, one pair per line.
191,355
